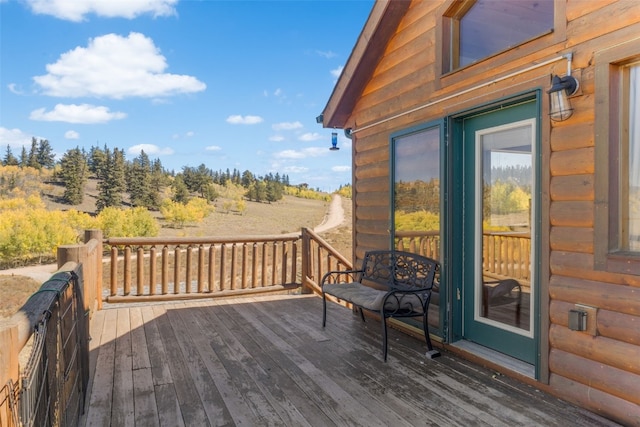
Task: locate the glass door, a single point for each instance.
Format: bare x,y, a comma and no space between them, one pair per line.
499,204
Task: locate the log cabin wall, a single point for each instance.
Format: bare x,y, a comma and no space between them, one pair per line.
598,369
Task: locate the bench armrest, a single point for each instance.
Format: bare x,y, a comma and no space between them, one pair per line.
337,276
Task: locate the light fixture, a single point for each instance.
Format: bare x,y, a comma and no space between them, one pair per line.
561,89
334,141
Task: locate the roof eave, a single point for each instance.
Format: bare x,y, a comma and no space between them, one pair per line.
380,26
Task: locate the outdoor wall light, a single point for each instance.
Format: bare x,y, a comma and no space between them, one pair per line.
561,89
334,141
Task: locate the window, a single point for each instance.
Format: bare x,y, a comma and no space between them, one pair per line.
416,191
617,221
474,30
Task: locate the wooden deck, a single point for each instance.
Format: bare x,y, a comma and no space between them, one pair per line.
266,361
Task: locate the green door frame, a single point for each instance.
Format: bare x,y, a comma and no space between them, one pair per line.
455,229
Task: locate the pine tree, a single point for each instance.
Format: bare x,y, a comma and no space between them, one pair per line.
32,160
24,158
138,179
180,190
112,180
73,172
9,158
97,160
44,155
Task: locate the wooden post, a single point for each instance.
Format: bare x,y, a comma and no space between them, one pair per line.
306,254
96,234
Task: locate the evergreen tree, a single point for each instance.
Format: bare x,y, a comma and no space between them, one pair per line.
247,179
73,172
32,160
138,179
180,190
44,155
9,158
97,160
24,158
111,180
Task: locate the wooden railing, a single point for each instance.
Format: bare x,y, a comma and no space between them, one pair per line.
154,269
504,254
425,243
318,258
44,351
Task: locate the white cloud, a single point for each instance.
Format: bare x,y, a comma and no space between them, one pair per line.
116,67
244,120
286,126
341,168
336,73
189,134
301,154
278,92
71,134
213,148
295,169
326,54
14,89
72,113
15,138
276,138
76,10
311,136
150,149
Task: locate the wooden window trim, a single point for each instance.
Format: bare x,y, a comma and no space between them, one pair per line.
609,110
446,46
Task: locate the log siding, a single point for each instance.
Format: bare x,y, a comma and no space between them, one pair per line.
599,371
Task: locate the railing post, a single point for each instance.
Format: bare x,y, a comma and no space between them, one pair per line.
96,234
306,255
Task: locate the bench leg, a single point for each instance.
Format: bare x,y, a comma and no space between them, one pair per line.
431,352
361,313
384,336
324,310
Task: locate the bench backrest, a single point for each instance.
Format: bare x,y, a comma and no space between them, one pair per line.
398,269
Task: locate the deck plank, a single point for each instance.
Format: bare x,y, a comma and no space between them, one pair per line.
99,410
191,407
267,361
122,411
145,408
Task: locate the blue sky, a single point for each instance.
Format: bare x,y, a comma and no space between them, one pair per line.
231,84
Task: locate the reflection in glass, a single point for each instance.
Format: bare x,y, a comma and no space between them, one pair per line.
506,172
416,199
417,192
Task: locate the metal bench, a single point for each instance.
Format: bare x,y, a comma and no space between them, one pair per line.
393,284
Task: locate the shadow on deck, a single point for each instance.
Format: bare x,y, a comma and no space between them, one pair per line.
267,361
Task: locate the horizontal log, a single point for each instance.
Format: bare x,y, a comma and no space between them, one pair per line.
619,298
610,324
620,326
373,212
604,404
577,9
571,213
372,155
600,349
380,183
572,187
371,198
599,376
373,170
186,241
380,227
574,264
572,239
572,137
572,162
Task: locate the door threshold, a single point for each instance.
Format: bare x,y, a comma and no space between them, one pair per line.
495,358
